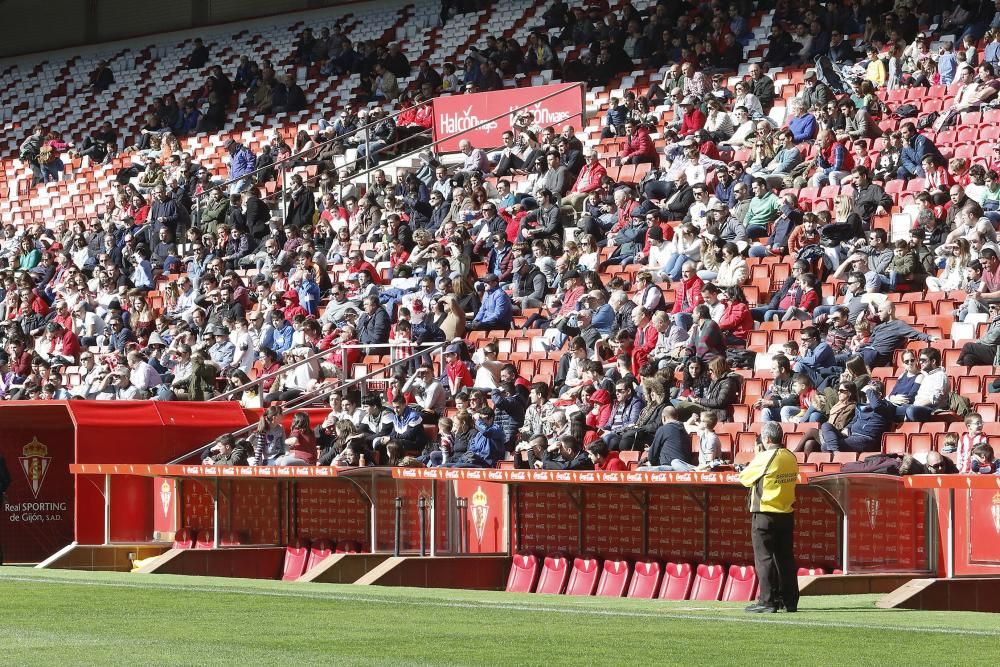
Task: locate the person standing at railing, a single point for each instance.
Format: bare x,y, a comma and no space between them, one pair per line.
242,161
373,325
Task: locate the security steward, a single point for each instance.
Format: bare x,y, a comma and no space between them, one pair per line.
771,478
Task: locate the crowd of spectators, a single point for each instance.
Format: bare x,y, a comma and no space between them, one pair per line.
636,291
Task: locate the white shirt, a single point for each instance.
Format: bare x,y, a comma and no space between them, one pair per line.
933,391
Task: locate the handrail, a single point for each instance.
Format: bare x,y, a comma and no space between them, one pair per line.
278,164
323,392
305,360
488,121
260,379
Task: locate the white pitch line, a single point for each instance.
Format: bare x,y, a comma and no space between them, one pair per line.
463,604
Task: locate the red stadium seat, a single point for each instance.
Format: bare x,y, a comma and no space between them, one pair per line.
205,540
708,582
677,578
552,580
318,552
296,557
614,579
523,574
583,576
184,539
645,580
810,571
232,539
348,547
741,586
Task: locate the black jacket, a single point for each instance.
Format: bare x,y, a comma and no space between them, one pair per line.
670,442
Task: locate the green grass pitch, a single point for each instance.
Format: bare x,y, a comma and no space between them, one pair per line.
87,618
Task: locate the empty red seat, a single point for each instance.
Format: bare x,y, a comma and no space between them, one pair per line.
318,552
205,540
232,539
677,578
708,582
296,557
348,547
555,571
523,574
741,585
184,539
810,571
614,578
645,580
583,576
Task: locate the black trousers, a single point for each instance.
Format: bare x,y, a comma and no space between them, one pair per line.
977,354
774,560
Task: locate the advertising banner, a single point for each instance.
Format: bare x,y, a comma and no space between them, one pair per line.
36,517
455,115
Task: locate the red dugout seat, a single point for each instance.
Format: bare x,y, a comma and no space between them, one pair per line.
614,579
708,582
205,540
296,557
184,539
318,552
741,585
348,547
523,574
677,578
810,571
645,580
583,576
555,571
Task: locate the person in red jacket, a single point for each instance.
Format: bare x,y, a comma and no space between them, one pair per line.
737,320
639,147
646,335
687,296
587,181
604,459
60,344
692,119
358,263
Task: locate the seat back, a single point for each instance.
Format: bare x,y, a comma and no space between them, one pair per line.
523,574
232,539
318,552
555,571
741,585
810,571
296,557
614,578
677,578
583,576
184,539
708,582
205,540
348,547
645,580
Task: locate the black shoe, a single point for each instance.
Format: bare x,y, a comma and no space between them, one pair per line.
791,610
757,608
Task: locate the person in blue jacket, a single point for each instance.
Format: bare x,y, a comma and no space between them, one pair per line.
915,147
242,161
497,309
486,446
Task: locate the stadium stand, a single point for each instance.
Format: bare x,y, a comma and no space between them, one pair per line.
844,275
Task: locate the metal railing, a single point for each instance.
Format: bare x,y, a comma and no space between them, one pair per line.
324,391
481,124
260,380
369,169
280,165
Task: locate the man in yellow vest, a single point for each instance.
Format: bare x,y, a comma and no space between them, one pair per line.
771,478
